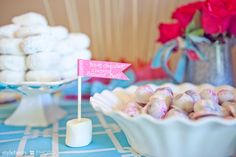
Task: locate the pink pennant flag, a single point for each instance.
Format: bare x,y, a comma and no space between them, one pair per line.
102,69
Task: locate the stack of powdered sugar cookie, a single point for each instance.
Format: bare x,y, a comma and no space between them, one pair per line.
31,50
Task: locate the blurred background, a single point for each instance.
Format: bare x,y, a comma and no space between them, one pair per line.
119,29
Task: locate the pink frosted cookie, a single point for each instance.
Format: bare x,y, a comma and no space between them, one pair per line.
209,94
226,95
194,95
143,93
183,102
132,109
156,108
176,113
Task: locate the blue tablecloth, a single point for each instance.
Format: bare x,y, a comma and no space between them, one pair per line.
108,139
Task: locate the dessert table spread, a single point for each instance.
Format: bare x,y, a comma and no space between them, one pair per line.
108,138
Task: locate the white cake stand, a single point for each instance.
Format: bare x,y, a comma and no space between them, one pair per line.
37,106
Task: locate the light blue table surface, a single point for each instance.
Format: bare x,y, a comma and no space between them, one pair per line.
108,139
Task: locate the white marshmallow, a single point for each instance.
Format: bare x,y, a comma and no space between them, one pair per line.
10,46
11,62
35,44
78,132
43,61
8,31
42,76
30,18
12,76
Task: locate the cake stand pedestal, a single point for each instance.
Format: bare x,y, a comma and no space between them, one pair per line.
37,106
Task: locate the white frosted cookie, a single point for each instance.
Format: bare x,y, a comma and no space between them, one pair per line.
63,47
70,61
43,61
12,76
42,76
76,42
82,54
35,44
59,32
26,31
8,31
68,74
30,18
79,40
67,62
12,62
11,46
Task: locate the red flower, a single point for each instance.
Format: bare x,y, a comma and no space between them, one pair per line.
216,15
169,31
221,8
232,26
184,14
212,24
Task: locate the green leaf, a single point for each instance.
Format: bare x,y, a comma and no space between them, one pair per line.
190,27
195,24
197,32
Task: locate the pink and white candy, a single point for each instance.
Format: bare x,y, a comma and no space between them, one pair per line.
209,94
230,107
203,114
183,102
176,113
207,105
132,109
143,93
189,104
193,94
225,95
163,93
206,108
156,108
